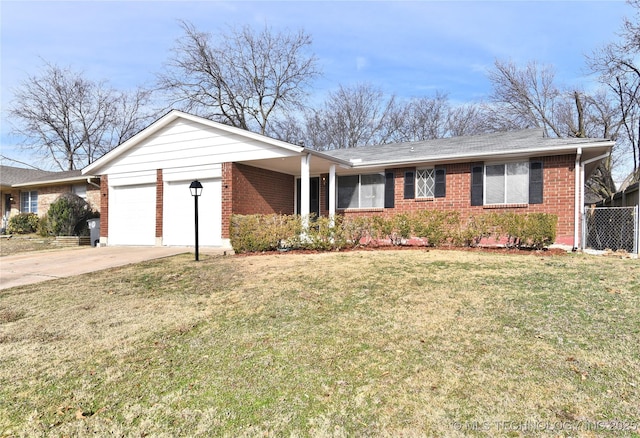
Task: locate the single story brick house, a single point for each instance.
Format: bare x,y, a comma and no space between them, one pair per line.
32,191
145,197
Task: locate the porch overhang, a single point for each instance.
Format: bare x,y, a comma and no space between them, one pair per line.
319,164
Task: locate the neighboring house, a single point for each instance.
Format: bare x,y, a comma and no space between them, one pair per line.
145,181
32,191
627,196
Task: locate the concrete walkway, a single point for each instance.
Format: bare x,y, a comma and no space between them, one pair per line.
34,267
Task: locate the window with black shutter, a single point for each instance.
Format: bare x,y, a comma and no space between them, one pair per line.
389,190
476,183
409,185
535,181
440,190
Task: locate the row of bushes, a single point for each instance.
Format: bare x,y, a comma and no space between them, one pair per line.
257,233
67,216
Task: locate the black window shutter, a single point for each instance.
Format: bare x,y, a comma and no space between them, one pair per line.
409,185
326,194
389,190
535,182
477,170
440,189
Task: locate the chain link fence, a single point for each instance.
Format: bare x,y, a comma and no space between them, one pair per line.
611,228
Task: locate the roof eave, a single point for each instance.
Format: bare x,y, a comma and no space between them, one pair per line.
79,178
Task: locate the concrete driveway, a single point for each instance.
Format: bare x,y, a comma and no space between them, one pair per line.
34,267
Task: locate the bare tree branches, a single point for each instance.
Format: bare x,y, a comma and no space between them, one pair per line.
351,116
525,97
241,78
72,120
617,66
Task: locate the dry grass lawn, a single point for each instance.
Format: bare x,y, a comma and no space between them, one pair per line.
396,343
10,245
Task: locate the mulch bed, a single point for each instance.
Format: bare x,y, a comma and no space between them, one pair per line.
495,250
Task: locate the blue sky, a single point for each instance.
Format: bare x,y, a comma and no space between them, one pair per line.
408,48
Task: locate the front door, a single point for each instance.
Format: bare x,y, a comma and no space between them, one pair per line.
314,196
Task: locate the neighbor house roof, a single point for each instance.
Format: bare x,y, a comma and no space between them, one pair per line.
476,147
70,176
20,177
10,175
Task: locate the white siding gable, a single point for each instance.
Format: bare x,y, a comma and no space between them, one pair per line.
185,145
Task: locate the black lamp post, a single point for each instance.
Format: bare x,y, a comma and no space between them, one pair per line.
196,191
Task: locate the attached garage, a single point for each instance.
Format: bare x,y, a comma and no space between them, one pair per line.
178,214
132,215
145,197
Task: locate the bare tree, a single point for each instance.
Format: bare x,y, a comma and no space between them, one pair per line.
241,78
72,120
423,118
617,65
351,116
468,119
524,97
528,97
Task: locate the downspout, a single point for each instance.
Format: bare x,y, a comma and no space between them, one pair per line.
92,183
577,197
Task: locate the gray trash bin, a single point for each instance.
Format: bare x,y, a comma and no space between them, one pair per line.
94,231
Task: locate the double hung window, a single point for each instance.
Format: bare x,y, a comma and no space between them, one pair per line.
361,191
507,183
29,202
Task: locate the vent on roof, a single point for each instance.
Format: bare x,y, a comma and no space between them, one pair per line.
356,160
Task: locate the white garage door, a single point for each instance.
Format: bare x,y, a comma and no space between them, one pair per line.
132,215
179,214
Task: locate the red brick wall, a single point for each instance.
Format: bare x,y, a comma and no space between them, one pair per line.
251,190
558,195
159,202
104,206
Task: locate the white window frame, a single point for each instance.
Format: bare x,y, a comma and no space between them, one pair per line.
506,183
30,208
359,191
426,182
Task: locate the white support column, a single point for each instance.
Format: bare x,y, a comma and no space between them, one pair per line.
305,160
332,191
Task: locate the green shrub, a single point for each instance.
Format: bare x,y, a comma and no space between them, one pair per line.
322,234
23,223
402,225
531,230
382,228
436,227
540,230
478,228
257,233
355,230
67,216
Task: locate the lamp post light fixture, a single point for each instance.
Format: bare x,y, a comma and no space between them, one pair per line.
196,191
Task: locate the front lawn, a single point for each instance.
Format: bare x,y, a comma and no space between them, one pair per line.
411,343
